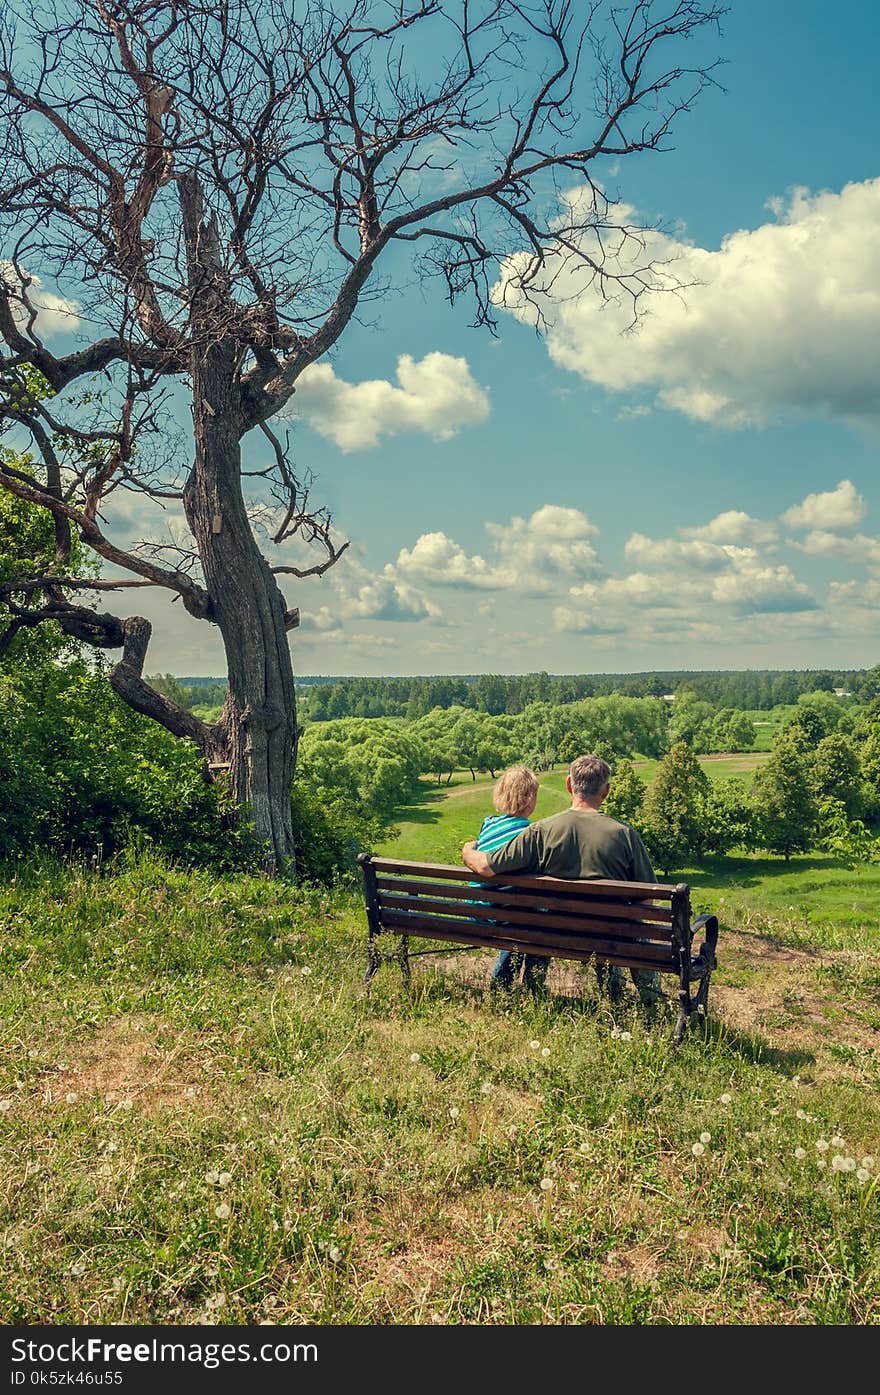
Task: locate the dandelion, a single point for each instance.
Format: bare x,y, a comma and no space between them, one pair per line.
725,1098
800,1152
534,1045
863,1175
626,1036
78,1268
486,1087
305,971
454,1112
822,1145
212,1177
224,1179
867,1161
71,1097
414,1057
801,1114
698,1149
222,1211
840,1163
584,1147
545,1051
821,1162
5,1106
774,1111
546,1184
334,1254
838,1142
126,1104
705,1138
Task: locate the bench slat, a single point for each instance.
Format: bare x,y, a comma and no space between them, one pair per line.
609,951
614,910
621,891
579,925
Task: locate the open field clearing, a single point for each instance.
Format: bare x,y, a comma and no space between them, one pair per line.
203,1118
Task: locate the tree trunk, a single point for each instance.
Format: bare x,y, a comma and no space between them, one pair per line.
259,718
258,731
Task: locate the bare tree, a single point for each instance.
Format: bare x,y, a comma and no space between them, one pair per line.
215,181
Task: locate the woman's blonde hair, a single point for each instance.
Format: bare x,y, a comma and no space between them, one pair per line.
515,791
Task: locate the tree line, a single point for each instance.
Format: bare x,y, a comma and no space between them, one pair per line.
511,694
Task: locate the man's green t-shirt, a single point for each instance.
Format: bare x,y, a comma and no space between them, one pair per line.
577,844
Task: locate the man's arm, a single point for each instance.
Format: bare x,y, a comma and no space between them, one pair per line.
477,861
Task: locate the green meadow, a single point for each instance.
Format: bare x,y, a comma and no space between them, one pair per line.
206,1118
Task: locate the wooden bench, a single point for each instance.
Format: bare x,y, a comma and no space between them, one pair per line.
637,925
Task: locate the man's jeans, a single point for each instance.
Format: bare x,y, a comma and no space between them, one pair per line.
534,973
647,981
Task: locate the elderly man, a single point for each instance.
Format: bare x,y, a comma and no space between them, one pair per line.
581,843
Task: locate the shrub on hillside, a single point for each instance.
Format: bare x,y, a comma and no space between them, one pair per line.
328,835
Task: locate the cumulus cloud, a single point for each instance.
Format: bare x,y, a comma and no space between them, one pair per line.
734,526
839,508
859,548
534,556
55,314
684,585
782,316
437,395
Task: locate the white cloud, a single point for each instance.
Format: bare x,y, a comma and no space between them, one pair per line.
757,590
438,559
436,395
534,556
855,549
55,314
862,594
839,508
384,598
783,316
651,552
734,526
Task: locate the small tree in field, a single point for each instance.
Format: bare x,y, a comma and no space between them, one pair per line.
627,795
218,187
784,799
672,817
836,773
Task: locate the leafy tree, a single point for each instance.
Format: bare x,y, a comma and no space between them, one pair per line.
784,800
836,773
672,817
727,819
627,795
732,731
848,839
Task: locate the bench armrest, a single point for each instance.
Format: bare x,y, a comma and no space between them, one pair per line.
709,925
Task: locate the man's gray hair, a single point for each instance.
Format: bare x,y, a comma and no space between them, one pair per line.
589,775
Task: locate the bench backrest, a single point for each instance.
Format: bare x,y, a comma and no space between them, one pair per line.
636,924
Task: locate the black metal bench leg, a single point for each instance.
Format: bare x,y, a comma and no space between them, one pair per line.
374,959
403,956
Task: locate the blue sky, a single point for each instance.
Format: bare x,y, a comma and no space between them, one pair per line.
701,493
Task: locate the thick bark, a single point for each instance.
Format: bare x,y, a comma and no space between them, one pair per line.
258,727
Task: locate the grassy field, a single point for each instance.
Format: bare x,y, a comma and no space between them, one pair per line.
205,1118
